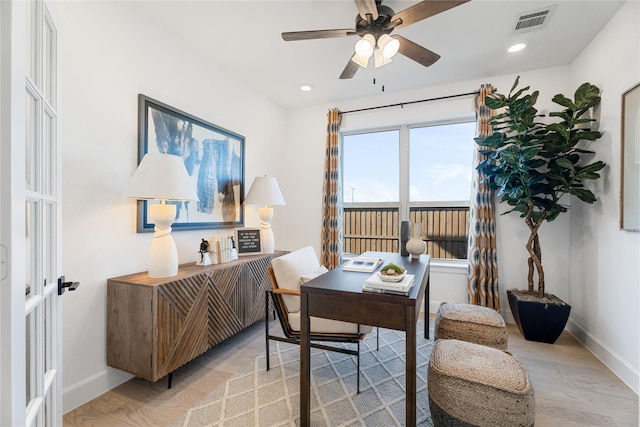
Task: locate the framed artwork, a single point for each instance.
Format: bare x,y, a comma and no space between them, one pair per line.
630,160
248,241
213,157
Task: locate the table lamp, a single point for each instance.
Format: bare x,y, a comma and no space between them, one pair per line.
162,177
265,191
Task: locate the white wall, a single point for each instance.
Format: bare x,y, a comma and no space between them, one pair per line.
605,261
108,54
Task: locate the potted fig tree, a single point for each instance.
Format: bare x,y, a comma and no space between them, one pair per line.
534,166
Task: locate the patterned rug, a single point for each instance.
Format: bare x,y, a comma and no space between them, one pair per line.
255,397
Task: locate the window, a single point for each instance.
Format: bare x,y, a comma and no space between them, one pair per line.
416,173
371,165
440,161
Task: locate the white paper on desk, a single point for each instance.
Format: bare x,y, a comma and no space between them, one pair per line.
363,264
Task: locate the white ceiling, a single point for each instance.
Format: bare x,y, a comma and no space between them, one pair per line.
472,39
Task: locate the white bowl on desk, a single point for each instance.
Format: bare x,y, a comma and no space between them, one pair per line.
391,278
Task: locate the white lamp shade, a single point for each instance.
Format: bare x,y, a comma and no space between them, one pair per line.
379,59
161,176
388,45
264,191
364,46
360,60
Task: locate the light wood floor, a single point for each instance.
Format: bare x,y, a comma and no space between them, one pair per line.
572,388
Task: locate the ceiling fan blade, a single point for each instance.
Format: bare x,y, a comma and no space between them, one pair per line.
317,34
350,70
416,52
367,7
423,10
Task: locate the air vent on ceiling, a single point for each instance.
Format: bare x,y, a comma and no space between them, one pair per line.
534,20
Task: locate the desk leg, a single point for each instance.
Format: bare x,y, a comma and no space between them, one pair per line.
305,363
426,309
410,373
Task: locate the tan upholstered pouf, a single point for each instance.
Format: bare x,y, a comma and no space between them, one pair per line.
472,323
475,385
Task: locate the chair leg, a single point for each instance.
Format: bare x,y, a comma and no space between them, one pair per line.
266,326
358,363
377,338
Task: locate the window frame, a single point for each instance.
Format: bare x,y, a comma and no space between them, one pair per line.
404,204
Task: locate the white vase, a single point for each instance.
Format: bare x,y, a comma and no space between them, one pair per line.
416,246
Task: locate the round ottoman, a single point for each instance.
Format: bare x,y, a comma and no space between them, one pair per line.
475,385
472,323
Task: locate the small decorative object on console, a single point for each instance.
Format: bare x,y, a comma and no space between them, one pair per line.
204,258
391,273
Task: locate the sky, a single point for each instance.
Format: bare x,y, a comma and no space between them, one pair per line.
440,164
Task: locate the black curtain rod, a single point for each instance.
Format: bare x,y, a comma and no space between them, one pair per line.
402,104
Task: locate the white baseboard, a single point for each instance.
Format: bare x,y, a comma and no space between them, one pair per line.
622,369
81,392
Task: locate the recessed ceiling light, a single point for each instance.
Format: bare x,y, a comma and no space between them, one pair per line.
306,88
516,47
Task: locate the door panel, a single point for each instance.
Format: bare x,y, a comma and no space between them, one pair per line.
30,334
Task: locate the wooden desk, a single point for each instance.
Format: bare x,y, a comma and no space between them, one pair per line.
338,295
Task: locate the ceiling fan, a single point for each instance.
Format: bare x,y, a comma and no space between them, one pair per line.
374,22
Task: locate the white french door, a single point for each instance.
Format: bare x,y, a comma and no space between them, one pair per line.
30,316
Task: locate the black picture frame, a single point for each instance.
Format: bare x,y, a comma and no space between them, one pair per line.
213,156
248,241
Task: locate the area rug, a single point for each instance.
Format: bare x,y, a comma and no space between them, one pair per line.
255,397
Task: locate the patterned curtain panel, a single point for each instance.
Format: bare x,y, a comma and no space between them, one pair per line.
332,195
482,281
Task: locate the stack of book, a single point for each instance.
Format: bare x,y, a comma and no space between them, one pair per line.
221,249
376,284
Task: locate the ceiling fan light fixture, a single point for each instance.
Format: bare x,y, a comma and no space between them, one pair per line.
379,59
388,45
361,60
364,46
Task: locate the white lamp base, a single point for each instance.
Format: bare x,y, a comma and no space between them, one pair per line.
266,233
163,254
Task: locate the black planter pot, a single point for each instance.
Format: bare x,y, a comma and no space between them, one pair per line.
537,320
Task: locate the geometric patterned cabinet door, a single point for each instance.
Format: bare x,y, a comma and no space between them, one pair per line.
154,326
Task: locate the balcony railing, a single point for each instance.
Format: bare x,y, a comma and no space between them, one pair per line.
445,229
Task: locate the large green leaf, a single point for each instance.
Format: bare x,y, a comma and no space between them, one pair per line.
590,171
564,101
529,153
583,194
565,163
495,102
587,95
588,135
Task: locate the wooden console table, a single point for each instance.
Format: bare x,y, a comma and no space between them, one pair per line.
154,326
